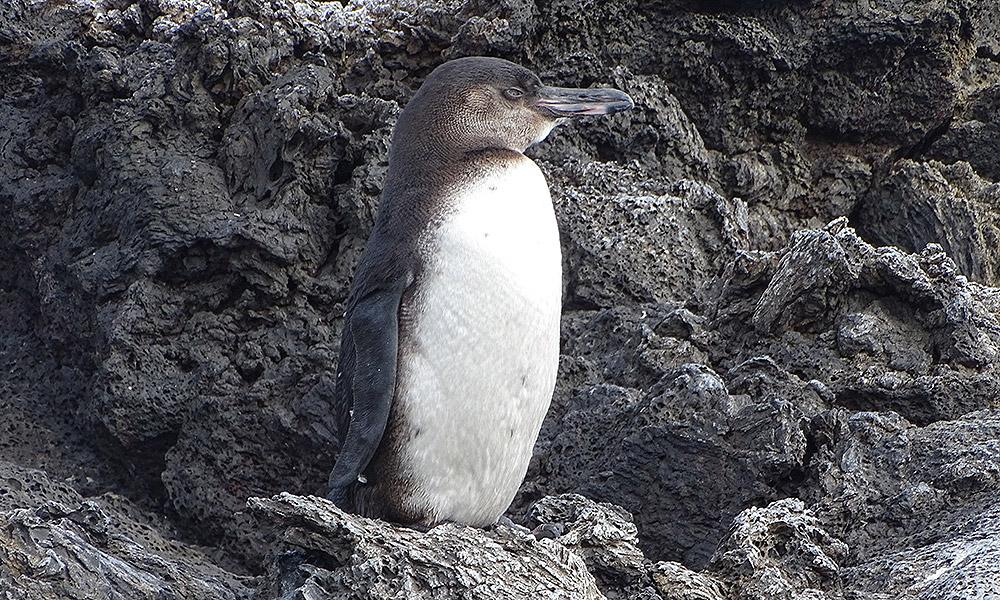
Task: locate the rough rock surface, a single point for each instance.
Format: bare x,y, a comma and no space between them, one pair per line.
323,548
56,544
781,332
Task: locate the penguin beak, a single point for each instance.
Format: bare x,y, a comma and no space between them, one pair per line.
572,102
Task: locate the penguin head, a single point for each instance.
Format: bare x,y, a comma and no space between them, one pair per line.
478,103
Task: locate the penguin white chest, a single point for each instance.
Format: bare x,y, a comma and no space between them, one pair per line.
481,355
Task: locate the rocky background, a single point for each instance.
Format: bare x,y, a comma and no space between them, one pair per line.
780,339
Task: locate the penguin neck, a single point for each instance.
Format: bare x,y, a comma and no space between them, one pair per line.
429,151
429,162
421,175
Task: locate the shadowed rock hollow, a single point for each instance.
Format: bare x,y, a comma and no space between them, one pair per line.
781,330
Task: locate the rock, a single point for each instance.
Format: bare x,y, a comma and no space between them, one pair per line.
684,235
621,446
323,552
896,331
949,205
675,582
961,566
55,544
812,276
968,138
604,536
780,551
928,510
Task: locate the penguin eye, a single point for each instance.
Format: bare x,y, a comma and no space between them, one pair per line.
513,93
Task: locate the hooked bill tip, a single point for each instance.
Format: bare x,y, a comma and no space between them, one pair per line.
569,102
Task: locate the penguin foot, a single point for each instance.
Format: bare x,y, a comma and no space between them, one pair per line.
548,530
505,523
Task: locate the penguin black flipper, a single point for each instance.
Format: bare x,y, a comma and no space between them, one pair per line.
366,380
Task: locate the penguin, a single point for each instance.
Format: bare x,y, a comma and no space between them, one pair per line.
450,343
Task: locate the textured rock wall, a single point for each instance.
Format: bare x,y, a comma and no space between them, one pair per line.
781,326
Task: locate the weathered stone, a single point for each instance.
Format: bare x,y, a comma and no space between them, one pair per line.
55,544
929,202
340,555
780,551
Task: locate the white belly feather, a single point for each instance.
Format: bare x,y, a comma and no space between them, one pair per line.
481,363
